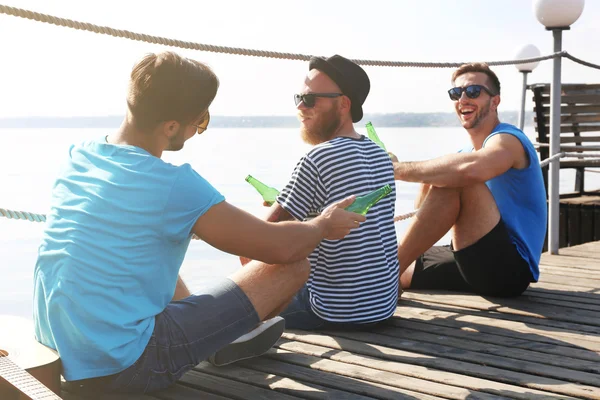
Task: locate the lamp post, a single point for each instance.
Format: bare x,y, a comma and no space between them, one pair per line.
556,16
527,51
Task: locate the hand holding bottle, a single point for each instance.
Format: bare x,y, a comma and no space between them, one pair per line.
268,193
338,222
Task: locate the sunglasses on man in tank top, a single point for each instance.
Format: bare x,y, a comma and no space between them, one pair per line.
472,92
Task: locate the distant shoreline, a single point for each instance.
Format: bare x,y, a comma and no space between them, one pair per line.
396,120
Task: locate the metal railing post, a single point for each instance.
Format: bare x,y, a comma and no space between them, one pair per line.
554,167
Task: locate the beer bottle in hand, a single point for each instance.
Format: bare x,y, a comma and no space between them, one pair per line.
268,193
362,203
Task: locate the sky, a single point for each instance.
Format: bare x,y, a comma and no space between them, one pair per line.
55,71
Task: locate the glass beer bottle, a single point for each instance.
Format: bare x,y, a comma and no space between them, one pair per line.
268,193
373,136
362,203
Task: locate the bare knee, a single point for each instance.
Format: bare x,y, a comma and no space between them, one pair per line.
479,214
269,286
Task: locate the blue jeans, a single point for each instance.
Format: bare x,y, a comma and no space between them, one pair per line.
187,332
299,315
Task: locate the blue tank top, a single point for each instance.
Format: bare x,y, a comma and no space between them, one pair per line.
521,199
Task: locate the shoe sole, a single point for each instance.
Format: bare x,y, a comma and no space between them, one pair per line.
254,347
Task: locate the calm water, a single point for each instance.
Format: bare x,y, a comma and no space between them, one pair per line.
30,160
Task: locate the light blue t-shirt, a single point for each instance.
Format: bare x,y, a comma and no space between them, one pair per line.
521,199
115,237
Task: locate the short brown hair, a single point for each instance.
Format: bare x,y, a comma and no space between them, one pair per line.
168,87
479,67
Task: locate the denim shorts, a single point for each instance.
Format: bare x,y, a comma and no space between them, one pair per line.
187,332
299,315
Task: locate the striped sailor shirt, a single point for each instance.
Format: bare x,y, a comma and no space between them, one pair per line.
353,280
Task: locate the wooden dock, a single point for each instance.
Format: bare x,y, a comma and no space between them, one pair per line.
543,345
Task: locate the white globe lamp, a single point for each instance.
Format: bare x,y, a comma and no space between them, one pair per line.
527,51
557,13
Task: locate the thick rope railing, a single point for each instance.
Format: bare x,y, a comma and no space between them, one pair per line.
105,30
24,215
579,61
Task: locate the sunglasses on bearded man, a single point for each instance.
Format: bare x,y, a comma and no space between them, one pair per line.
309,99
472,92
201,127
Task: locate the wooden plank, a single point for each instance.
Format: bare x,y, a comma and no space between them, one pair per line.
587,223
400,374
229,388
544,88
597,223
535,293
576,252
523,344
510,322
181,392
104,396
571,109
568,99
561,302
543,314
591,284
583,200
593,275
471,352
574,221
589,163
580,139
353,388
389,359
295,381
570,261
571,118
576,118
575,291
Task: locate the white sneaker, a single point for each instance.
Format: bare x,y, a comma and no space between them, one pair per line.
254,343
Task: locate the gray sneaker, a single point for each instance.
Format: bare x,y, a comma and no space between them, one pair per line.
254,343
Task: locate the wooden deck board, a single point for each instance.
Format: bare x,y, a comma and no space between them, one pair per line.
543,345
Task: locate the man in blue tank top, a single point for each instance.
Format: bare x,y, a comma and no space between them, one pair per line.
107,295
491,195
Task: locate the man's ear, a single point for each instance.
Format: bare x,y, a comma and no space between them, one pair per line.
346,103
495,102
170,128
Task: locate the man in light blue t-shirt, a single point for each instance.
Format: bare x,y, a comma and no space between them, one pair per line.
491,195
107,294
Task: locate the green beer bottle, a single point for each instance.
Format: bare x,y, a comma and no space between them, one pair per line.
268,193
362,204
373,135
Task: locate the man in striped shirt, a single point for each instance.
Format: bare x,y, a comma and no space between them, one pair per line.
354,281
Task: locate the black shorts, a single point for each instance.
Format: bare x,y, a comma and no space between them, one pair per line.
492,266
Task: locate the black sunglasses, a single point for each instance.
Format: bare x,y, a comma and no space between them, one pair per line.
472,92
309,98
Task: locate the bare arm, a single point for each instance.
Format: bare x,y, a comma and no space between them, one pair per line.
238,232
501,153
421,194
277,213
